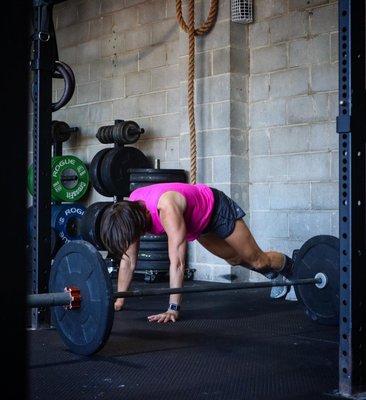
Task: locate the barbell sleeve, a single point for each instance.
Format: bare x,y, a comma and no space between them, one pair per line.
49,299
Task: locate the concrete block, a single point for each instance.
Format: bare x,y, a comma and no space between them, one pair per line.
112,89
289,83
100,69
240,194
68,55
259,34
89,51
268,169
163,126
309,51
269,224
138,38
153,10
172,149
110,6
101,26
203,65
165,77
221,169
259,196
138,83
172,53
88,92
309,167
324,195
88,9
258,87
204,173
334,47
239,36
239,169
153,148
290,196
334,165
269,8
259,142
219,37
125,19
77,116
239,115
152,104
239,142
165,31
73,35
173,100
211,143
100,112
308,109
112,45
333,106
304,225
289,26
267,59
239,60
323,137
290,139
221,114
267,113
335,224
133,2
305,4
152,57
213,89
126,62
284,246
239,87
126,108
324,19
324,77
66,16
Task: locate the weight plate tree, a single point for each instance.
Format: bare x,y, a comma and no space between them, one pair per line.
86,329
82,296
66,219
70,178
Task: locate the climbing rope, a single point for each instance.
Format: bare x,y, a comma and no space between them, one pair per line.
192,33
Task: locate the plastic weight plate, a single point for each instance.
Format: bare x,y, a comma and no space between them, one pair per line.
95,172
84,330
66,219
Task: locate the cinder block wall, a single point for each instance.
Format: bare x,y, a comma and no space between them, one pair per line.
293,106
266,104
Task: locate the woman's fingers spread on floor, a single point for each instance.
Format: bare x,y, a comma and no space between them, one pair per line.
162,318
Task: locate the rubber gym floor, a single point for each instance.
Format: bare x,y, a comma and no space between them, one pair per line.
228,345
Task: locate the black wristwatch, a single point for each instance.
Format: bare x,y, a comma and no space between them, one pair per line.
174,307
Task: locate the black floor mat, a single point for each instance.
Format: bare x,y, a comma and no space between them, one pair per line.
228,345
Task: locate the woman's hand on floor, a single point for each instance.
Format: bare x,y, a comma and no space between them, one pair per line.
167,316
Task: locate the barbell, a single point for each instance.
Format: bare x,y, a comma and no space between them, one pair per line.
81,294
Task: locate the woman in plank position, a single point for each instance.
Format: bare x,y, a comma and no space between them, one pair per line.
185,212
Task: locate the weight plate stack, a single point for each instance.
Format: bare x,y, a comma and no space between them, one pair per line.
115,166
66,220
140,177
90,225
153,253
109,170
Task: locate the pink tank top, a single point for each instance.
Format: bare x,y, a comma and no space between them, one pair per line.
200,202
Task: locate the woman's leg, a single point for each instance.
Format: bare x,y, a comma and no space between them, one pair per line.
251,256
240,248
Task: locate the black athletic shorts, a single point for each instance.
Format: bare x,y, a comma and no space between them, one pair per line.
224,215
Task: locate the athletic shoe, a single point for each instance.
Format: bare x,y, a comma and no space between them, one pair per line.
279,291
291,295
